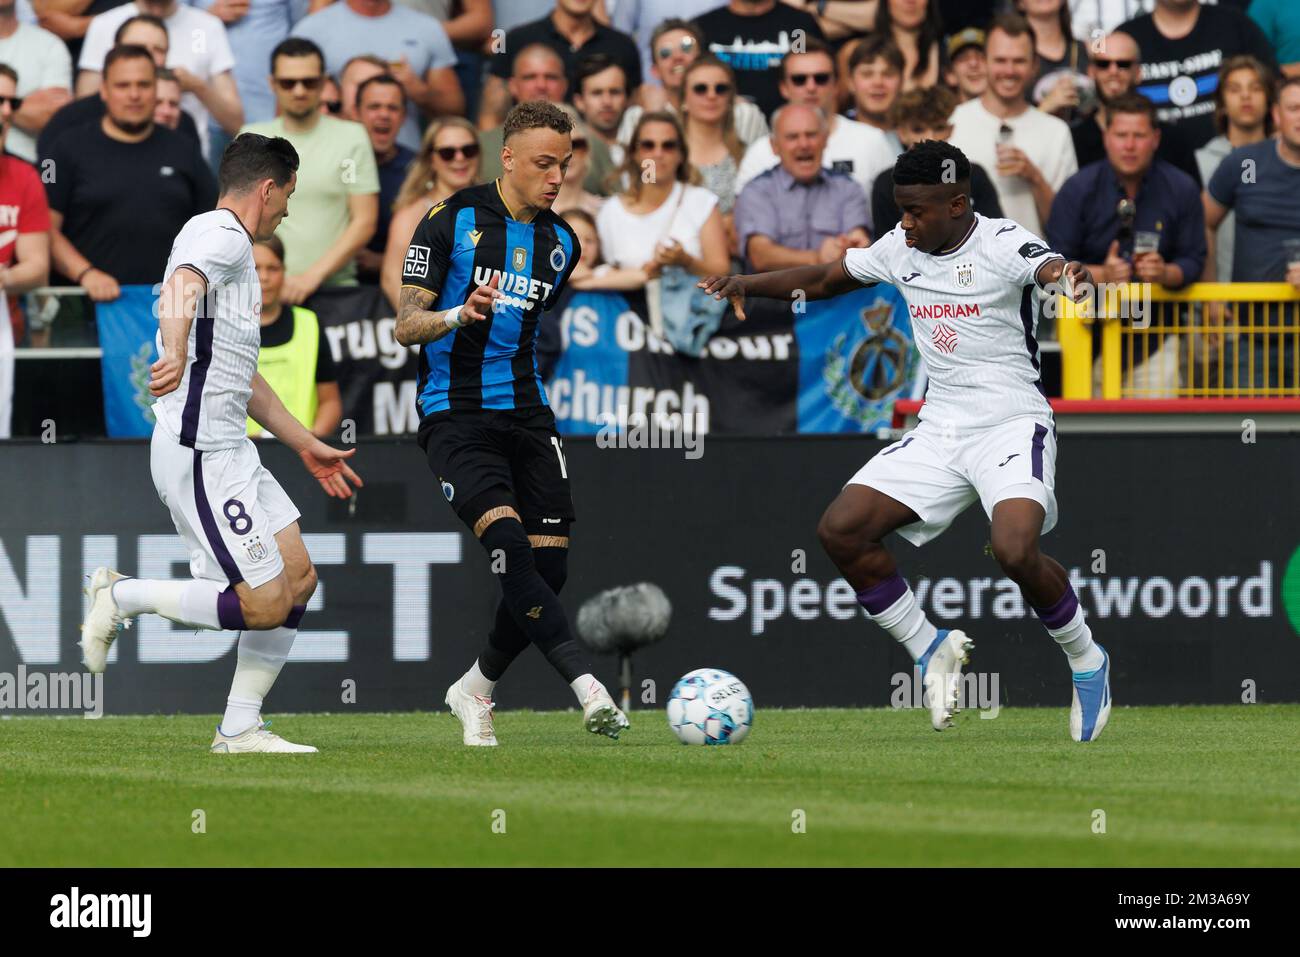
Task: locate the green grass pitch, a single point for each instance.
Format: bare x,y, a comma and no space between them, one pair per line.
1195,786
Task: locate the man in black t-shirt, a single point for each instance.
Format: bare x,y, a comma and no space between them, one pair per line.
572,31
753,37
145,31
1183,46
125,186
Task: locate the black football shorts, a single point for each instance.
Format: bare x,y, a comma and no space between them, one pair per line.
488,458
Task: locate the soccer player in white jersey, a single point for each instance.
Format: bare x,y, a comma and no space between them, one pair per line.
974,287
251,570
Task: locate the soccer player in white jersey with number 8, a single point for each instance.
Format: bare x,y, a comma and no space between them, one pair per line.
974,288
251,570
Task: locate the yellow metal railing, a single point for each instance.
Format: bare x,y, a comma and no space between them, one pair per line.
1206,340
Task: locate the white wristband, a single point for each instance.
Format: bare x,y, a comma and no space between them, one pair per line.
452,318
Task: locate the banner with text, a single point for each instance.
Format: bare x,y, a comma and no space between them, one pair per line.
815,367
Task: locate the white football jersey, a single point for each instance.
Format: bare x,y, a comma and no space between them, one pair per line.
974,318
209,410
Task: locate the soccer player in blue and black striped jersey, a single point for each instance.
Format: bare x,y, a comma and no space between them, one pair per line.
480,270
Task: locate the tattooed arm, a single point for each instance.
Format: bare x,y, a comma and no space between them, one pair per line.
417,324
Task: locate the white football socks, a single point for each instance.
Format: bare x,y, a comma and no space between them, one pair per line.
261,656
475,682
583,686
908,624
1076,641
187,601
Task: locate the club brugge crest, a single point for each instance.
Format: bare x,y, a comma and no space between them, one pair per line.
558,259
256,550
519,259
965,275
448,490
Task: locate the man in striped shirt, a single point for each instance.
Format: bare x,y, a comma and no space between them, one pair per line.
479,272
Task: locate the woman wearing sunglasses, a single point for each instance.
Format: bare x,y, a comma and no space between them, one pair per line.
448,161
674,46
662,218
709,94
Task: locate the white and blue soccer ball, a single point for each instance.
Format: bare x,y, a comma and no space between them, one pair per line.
709,706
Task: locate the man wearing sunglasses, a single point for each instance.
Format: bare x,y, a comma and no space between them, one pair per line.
479,272
859,150
336,207
1115,68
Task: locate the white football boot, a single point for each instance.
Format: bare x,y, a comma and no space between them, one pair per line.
600,715
475,713
104,621
941,675
257,738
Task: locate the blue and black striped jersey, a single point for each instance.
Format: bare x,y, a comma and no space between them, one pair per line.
459,246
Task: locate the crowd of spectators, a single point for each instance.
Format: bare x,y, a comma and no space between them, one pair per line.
772,126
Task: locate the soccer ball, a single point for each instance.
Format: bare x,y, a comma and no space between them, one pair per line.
709,706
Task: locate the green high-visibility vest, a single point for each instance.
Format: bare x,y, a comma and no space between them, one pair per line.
290,369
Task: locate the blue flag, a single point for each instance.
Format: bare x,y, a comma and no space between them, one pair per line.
855,358
126,335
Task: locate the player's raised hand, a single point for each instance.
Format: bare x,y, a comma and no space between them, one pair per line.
730,288
479,305
1076,277
329,467
166,374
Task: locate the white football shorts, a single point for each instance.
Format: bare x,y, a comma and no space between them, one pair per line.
939,476
226,507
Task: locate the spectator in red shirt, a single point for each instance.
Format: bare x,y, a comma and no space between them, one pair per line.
24,237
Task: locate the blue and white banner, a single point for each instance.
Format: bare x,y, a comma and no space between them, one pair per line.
127,326
817,367
834,366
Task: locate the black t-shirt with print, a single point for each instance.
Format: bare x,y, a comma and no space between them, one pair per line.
755,46
1180,76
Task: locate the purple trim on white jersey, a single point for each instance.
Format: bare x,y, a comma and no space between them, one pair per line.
198,375
209,523
1036,451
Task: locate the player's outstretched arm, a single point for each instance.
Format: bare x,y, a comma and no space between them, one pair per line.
822,281
325,463
176,302
418,324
